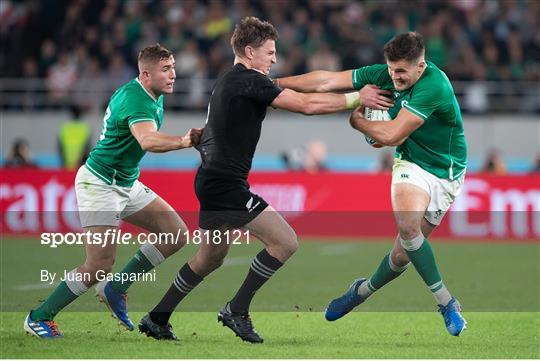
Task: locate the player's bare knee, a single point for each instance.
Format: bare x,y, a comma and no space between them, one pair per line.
399,257
213,262
290,247
409,231
210,261
287,247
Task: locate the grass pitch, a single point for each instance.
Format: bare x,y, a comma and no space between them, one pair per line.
497,284
287,335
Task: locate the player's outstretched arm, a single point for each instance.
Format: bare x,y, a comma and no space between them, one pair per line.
391,133
318,81
151,140
315,103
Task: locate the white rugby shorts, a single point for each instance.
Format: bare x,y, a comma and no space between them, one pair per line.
442,192
101,204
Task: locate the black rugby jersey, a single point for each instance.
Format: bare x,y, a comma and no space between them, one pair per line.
237,108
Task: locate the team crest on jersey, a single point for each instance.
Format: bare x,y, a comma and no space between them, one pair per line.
249,205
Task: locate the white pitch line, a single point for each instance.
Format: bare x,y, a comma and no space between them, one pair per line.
35,286
237,261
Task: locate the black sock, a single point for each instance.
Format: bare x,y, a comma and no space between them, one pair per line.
262,268
185,281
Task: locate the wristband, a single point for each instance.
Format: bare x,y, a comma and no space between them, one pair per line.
352,100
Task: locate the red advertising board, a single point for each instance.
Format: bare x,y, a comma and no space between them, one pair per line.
327,204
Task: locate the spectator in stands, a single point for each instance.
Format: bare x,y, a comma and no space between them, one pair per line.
30,73
294,158
61,79
90,91
315,158
46,57
310,158
19,156
74,139
501,37
119,72
494,163
323,59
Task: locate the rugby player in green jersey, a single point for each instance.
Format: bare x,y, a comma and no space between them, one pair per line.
108,190
429,167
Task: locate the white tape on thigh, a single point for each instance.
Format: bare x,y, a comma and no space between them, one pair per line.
152,254
412,244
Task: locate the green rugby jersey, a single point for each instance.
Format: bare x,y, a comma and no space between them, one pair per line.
439,145
116,156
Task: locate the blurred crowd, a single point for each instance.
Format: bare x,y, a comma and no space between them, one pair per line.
311,157
81,45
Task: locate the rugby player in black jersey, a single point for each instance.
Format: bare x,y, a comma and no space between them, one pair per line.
237,108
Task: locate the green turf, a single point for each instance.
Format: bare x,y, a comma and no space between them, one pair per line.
485,277
287,335
497,284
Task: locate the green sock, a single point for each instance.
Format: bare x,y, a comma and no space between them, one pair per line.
383,274
60,298
424,262
139,264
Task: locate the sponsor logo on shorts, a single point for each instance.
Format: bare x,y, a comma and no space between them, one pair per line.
405,176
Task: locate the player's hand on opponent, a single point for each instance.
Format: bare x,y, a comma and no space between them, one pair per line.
357,113
198,134
374,97
192,137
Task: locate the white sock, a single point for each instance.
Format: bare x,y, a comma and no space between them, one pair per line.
77,287
152,254
365,290
442,295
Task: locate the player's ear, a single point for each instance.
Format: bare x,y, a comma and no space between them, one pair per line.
248,51
143,70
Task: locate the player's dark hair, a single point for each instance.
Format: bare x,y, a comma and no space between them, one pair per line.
154,53
252,31
408,46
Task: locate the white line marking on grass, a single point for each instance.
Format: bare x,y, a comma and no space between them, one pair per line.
35,286
237,261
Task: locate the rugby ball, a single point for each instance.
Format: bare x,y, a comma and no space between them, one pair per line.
375,115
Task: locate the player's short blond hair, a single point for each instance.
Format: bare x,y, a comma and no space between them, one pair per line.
153,54
253,32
